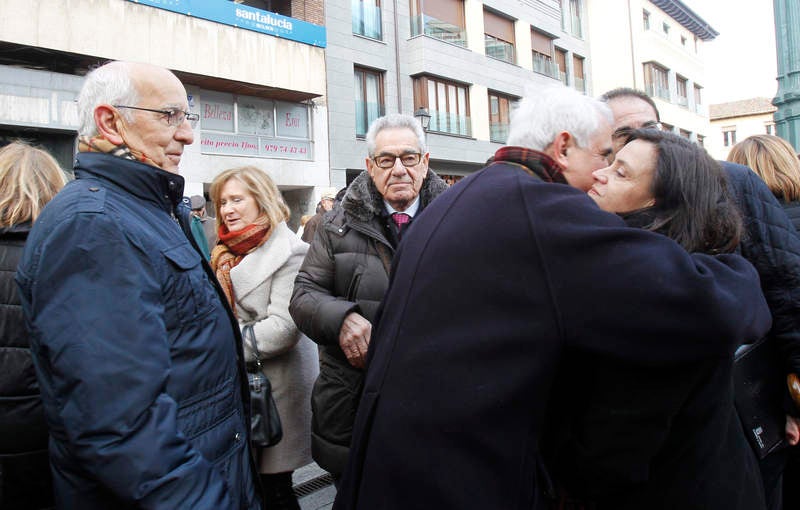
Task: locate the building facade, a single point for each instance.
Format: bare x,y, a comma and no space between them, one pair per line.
734,121
655,46
257,79
464,61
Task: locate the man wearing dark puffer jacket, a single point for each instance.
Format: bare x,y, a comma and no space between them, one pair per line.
346,273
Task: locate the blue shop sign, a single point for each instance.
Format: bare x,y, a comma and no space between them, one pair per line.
243,16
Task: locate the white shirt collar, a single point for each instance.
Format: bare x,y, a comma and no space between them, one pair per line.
411,210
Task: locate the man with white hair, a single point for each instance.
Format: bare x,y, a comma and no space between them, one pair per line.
501,280
346,272
137,353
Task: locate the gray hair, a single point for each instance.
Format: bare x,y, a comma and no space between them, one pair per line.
543,113
108,84
395,121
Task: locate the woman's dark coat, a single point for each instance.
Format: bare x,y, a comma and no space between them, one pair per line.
500,281
25,480
345,270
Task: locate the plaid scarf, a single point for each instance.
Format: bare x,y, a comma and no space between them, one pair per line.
231,249
100,144
534,162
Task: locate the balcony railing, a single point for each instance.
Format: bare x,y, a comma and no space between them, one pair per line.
683,101
365,113
656,91
450,123
579,84
366,18
499,49
433,27
543,64
498,132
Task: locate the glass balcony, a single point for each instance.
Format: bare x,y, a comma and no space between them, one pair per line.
450,123
579,84
432,27
499,49
543,64
656,91
366,18
498,132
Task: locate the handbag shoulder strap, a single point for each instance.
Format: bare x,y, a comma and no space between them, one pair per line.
250,336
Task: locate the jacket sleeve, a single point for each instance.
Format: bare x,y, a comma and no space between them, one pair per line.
649,315
315,309
95,304
276,333
773,247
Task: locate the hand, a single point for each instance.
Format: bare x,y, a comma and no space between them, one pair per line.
792,430
354,339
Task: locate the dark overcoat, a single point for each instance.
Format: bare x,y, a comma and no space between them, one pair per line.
501,278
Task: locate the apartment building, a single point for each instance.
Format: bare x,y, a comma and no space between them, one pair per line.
462,62
655,46
734,121
253,70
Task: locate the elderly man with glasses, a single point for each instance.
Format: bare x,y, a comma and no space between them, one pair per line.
346,272
137,355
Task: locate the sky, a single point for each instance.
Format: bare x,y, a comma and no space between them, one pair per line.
740,61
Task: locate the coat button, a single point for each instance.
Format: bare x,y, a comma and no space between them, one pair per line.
237,436
94,189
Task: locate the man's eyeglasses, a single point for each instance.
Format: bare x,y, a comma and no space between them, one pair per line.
175,116
625,132
386,161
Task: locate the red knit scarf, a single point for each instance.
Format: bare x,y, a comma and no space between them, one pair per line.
232,248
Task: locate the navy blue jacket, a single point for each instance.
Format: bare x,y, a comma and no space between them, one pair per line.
136,354
500,280
772,245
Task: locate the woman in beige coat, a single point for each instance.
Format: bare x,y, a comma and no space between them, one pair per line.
256,260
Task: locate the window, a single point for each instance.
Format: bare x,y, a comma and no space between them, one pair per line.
442,19
253,126
665,28
578,78
701,140
542,45
769,128
498,36
369,98
685,134
680,85
656,82
367,18
698,102
729,136
667,127
645,20
446,101
561,62
499,108
571,14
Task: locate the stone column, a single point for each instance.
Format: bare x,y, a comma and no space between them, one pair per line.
787,38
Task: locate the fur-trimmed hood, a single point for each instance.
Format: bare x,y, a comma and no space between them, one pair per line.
363,201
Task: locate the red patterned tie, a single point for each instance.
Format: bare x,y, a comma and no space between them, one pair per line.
401,220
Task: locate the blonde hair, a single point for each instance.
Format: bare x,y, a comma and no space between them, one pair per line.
29,178
260,185
774,160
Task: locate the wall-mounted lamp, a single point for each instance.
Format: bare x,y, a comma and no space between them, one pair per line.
423,117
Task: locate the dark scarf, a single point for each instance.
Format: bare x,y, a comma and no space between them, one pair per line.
232,248
534,162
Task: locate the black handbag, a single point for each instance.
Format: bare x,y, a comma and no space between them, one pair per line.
759,386
265,423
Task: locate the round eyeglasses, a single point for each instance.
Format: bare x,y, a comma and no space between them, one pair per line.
387,161
175,116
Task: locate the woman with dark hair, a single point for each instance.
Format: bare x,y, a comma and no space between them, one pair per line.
675,441
29,178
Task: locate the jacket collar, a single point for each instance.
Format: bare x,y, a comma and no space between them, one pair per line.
364,202
140,180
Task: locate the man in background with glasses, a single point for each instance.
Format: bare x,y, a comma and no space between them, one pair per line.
137,354
346,272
